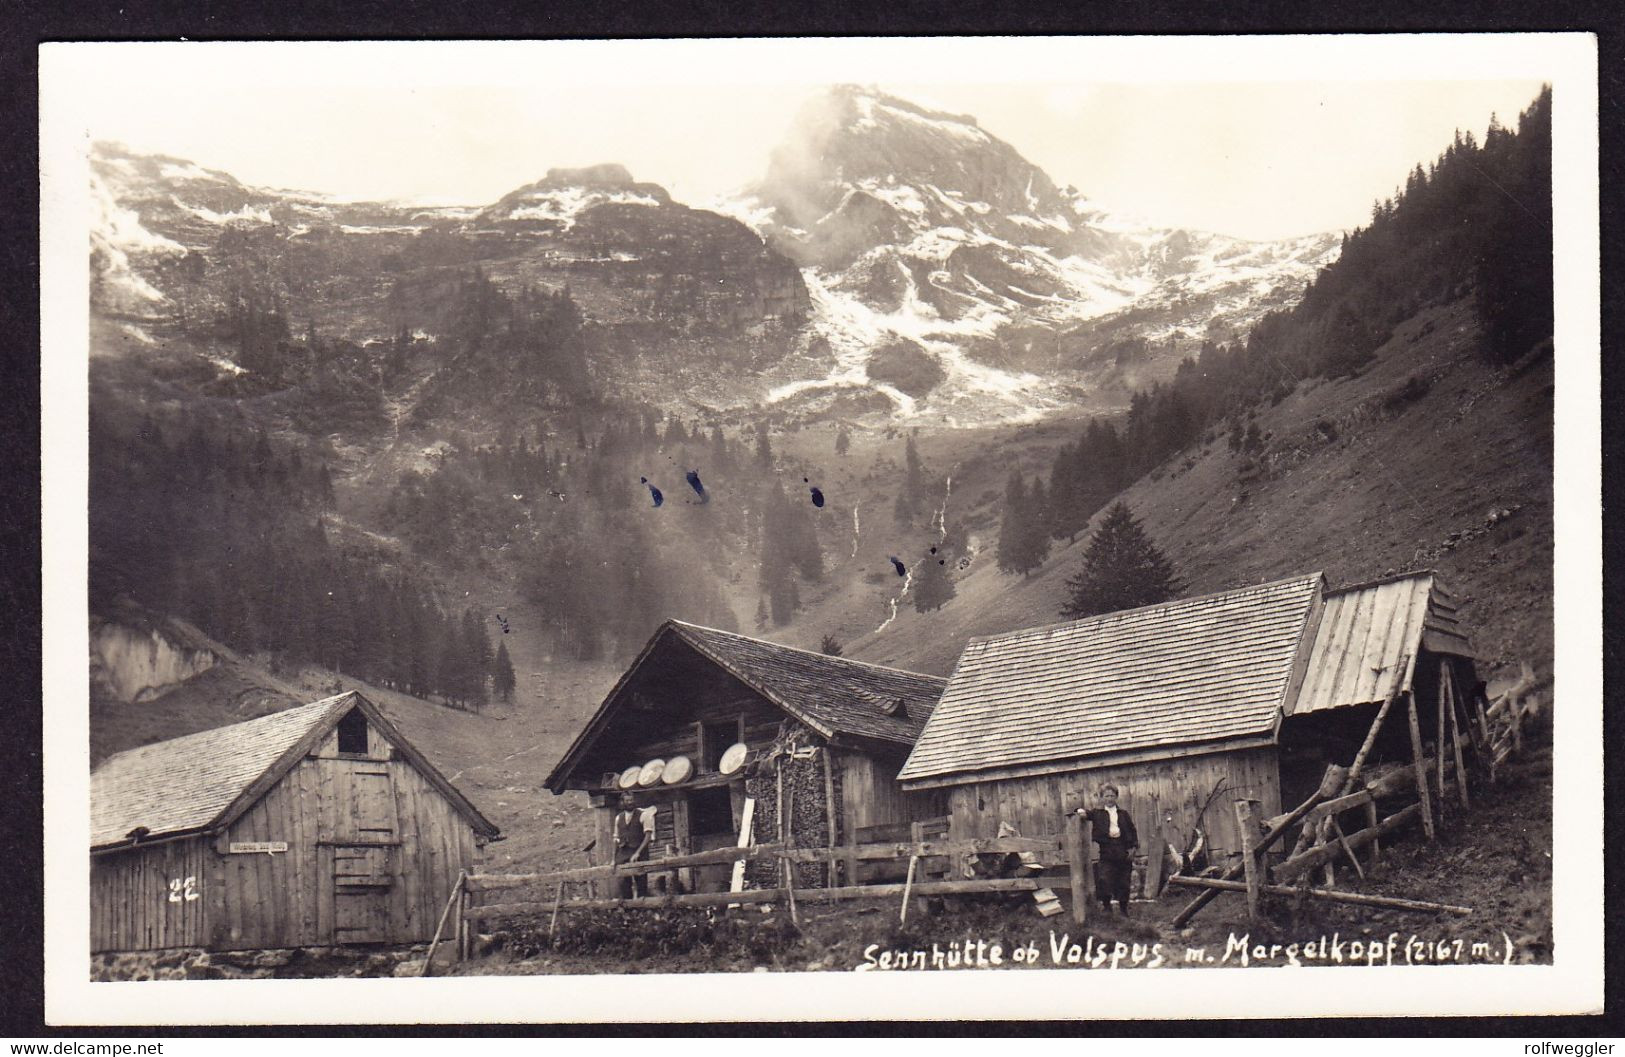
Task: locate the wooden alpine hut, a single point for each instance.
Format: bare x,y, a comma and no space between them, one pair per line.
706,727
318,825
1187,706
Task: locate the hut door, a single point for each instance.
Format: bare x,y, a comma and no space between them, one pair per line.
362,877
365,855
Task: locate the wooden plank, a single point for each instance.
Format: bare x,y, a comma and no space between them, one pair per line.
1421,770
747,835
500,911
1357,898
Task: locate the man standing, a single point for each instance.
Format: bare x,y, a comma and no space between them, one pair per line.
1115,837
631,838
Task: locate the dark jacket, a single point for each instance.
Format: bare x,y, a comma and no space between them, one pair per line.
1119,847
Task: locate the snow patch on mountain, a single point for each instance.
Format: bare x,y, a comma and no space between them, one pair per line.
247,214
564,205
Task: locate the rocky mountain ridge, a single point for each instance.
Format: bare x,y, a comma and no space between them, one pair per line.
894,263
919,226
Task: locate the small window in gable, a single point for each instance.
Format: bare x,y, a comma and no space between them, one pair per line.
353,733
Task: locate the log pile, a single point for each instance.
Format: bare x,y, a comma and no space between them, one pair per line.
792,767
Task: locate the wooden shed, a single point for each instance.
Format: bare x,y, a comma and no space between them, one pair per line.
1372,642
319,825
1183,706
825,736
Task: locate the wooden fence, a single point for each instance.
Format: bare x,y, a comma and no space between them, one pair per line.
1469,726
500,897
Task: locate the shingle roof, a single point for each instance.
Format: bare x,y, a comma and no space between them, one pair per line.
1368,634
833,695
1199,669
185,783
196,782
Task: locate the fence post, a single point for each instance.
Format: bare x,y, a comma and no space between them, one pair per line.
1077,836
1248,827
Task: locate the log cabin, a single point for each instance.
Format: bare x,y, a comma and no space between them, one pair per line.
319,825
824,739
1185,707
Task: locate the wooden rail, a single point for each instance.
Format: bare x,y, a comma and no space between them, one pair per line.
497,911
1331,895
720,856
1069,850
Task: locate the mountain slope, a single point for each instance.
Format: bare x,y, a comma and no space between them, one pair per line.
1428,459
920,227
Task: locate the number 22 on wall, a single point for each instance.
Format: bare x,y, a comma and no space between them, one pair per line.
183,890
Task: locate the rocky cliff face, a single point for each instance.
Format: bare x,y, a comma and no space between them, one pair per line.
920,225
173,243
137,664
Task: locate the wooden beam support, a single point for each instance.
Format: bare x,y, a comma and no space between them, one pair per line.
1343,841
1449,704
1286,871
1357,898
1327,808
1248,826
1373,853
1077,860
1421,771
1438,739
1330,783
1376,725
908,888
456,891
829,812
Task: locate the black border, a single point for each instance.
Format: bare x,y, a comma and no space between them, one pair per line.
28,25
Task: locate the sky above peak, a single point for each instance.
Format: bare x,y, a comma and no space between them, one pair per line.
464,124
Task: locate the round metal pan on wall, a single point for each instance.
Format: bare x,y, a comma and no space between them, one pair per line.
734,758
651,772
629,777
677,769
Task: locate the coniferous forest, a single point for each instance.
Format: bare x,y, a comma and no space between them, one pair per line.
1476,223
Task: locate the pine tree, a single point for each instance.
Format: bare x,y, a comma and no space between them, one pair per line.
502,676
829,646
1122,569
1015,502
1024,535
933,587
764,447
843,441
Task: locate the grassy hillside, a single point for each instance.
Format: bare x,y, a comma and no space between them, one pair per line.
1411,464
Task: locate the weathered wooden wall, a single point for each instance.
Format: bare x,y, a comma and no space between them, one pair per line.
149,898
373,853
871,796
1161,796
